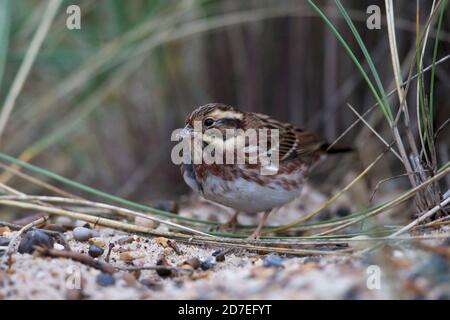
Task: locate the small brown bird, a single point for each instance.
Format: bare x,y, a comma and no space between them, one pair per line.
241,186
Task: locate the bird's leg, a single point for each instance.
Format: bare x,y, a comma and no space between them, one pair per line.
230,224
255,235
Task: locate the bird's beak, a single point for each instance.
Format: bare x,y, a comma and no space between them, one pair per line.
185,132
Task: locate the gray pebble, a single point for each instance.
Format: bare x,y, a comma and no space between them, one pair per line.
209,263
273,260
82,233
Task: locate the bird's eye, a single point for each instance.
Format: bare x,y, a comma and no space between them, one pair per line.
208,122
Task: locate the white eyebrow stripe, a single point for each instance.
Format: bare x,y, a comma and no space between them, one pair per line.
226,114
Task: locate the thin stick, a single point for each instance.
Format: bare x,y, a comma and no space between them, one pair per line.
36,181
329,201
390,204
93,219
411,225
76,256
375,132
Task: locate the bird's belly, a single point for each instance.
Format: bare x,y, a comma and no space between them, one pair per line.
250,196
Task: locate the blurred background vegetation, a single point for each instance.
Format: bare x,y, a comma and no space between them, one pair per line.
100,103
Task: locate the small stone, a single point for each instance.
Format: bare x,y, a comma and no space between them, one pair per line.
219,254
143,222
98,241
273,260
162,241
129,256
95,251
193,262
4,230
105,280
65,222
34,238
58,246
220,257
173,244
82,233
163,272
209,263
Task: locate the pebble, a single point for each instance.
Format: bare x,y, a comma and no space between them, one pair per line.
82,233
58,246
105,280
208,263
34,238
64,222
163,272
128,256
162,241
273,260
95,251
193,262
220,256
98,241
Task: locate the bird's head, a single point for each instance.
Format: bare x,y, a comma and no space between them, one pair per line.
215,116
213,119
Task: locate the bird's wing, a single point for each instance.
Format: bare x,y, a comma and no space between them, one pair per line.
294,143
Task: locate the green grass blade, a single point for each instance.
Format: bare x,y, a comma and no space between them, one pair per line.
385,106
96,192
435,50
350,53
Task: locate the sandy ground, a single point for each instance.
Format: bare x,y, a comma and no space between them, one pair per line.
396,271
